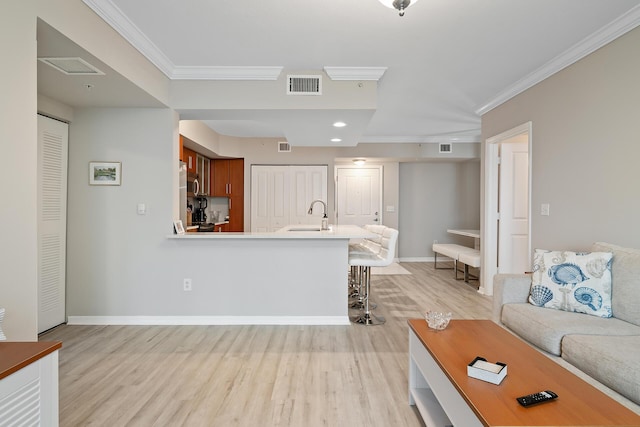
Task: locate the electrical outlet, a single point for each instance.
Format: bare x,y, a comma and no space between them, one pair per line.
186,285
435,241
544,209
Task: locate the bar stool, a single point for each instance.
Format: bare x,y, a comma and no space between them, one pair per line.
366,246
367,260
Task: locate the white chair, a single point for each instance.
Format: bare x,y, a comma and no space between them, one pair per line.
367,260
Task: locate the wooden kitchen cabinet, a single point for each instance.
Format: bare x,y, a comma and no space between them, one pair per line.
189,157
228,181
221,228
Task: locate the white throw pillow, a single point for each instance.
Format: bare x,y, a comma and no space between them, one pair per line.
2,337
572,281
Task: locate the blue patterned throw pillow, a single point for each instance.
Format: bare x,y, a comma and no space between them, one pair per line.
572,281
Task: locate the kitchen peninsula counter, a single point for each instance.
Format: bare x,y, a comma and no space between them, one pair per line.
293,276
298,232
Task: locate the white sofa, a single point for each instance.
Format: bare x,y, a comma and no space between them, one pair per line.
605,349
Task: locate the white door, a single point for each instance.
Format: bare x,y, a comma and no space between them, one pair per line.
53,147
308,183
513,202
269,197
281,195
359,195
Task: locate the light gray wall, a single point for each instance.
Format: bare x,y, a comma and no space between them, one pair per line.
116,261
585,148
18,131
436,196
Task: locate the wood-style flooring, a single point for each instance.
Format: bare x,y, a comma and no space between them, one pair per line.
257,375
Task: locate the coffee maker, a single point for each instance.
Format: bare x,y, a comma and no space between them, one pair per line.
199,216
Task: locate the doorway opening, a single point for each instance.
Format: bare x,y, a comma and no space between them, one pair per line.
506,243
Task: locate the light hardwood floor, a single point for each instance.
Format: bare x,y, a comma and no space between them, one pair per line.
257,375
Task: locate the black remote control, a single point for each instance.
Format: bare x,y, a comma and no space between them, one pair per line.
535,398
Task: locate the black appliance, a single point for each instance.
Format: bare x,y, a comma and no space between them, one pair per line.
199,216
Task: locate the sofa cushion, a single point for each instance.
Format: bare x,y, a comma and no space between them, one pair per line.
545,328
572,281
612,360
625,276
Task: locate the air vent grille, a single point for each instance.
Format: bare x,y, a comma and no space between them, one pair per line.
284,147
72,66
304,85
446,148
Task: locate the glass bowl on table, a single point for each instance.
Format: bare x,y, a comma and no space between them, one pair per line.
437,320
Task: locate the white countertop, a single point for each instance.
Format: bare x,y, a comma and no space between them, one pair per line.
302,231
469,233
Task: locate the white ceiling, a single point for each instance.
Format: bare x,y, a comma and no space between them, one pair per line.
447,60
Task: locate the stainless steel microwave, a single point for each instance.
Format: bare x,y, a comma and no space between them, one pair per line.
193,184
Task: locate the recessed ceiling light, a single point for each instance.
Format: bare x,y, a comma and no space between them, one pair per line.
339,124
336,140
359,162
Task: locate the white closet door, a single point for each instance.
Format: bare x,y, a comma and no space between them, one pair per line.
269,198
281,195
308,183
53,145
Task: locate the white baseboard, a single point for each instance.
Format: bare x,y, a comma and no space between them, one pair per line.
208,320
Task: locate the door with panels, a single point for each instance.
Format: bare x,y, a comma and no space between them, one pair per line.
281,195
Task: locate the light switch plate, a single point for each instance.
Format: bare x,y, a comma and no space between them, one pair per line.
544,209
142,209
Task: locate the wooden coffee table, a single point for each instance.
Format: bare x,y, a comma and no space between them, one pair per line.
445,395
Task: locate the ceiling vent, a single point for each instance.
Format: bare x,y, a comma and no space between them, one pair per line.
446,148
284,147
72,66
304,85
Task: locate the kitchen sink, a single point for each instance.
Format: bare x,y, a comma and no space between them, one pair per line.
304,229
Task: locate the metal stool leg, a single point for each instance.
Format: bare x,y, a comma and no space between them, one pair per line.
360,292
367,317
353,282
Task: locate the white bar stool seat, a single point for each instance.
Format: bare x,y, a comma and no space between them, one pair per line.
365,261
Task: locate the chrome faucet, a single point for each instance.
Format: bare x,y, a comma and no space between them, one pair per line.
325,219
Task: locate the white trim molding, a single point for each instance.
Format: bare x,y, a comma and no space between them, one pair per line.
355,73
208,320
423,139
225,73
113,16
595,41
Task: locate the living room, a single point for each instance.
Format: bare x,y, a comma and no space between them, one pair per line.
584,145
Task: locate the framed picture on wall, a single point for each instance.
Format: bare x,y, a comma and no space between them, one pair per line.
105,173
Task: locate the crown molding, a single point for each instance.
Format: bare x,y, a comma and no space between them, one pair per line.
595,41
355,73
472,139
225,73
113,16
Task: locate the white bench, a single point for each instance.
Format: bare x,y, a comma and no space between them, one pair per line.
470,256
469,259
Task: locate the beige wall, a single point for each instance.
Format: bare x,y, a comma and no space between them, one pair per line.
18,125
585,148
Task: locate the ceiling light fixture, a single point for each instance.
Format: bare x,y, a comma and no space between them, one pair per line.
359,162
339,124
336,140
400,5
